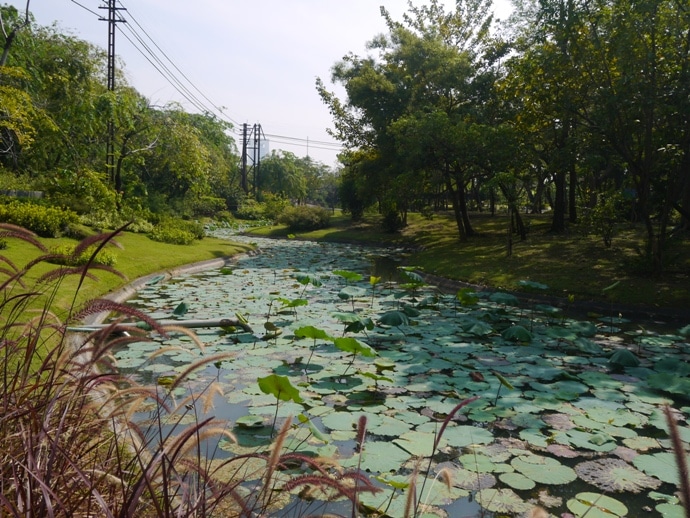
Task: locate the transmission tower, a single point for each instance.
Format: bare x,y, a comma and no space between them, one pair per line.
251,151
112,20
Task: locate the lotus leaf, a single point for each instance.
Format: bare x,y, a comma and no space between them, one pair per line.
353,346
502,501
517,334
672,383
615,475
517,481
348,275
280,387
595,505
661,465
250,421
471,480
505,299
394,319
623,358
351,292
670,510
462,436
378,457
543,470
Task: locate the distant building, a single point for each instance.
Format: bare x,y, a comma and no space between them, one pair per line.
263,149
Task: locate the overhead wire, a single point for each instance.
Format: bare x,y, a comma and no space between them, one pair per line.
140,44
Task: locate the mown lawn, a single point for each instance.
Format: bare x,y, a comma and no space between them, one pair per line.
136,256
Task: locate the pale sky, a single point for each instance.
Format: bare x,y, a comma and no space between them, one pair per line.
255,60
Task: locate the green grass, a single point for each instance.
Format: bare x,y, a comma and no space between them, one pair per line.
572,264
139,256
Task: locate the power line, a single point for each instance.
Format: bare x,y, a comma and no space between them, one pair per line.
308,141
151,54
180,71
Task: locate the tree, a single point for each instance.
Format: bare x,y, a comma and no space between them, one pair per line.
418,110
282,173
630,89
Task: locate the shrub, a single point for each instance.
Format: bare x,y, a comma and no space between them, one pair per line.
274,205
44,221
207,205
305,218
225,216
251,209
81,191
172,235
68,255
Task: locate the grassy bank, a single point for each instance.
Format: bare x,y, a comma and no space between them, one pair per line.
136,256
573,265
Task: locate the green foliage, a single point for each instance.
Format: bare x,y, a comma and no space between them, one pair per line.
44,221
68,258
249,208
175,235
305,218
603,218
274,205
83,191
207,206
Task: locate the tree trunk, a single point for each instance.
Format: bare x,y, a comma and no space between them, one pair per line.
455,200
572,195
558,221
13,34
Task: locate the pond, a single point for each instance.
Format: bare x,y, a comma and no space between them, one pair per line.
567,416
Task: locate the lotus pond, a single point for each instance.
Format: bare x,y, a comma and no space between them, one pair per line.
568,414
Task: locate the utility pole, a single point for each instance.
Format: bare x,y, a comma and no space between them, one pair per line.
245,186
110,146
254,135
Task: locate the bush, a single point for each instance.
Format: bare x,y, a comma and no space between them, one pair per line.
172,235
274,205
207,205
305,218
44,221
82,191
177,231
251,209
67,256
225,216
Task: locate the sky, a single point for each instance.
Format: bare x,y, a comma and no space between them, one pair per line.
253,62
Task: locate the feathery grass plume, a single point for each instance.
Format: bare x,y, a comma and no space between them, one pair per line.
681,461
361,432
411,503
276,447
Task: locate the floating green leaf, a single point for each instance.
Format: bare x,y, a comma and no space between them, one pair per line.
615,475
502,501
595,505
250,421
543,470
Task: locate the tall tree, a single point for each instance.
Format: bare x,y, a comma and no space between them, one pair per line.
416,104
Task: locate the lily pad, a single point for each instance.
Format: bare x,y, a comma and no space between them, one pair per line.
615,475
544,470
595,505
517,334
502,501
